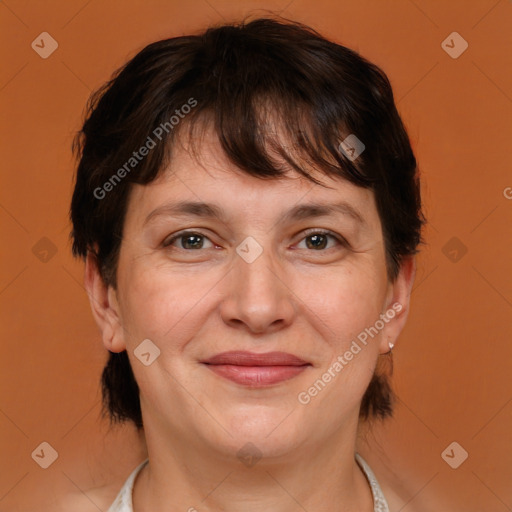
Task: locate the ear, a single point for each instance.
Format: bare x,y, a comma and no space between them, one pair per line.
104,305
397,304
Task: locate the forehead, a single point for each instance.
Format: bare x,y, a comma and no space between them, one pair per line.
200,179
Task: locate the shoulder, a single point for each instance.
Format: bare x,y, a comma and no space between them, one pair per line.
92,500
399,497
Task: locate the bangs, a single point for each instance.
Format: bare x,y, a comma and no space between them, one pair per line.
273,105
267,136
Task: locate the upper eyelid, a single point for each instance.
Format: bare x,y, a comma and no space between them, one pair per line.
339,238
311,231
180,234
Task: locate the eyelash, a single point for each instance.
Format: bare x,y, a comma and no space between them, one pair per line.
342,241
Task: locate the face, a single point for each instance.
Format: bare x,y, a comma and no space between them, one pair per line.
258,271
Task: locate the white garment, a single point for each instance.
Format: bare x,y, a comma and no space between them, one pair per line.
123,501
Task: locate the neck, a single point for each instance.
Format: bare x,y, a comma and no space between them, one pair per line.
190,476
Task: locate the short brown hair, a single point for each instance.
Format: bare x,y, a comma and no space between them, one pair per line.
320,91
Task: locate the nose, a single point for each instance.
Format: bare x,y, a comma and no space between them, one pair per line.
257,296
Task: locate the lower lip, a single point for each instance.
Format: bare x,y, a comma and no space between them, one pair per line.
256,376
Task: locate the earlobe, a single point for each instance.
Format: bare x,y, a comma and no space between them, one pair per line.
104,306
398,304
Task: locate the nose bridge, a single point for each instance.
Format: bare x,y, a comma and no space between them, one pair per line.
257,297
256,266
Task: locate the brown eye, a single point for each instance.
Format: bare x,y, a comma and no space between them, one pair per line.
192,242
188,241
319,240
316,241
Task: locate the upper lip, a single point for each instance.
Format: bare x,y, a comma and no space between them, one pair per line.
243,358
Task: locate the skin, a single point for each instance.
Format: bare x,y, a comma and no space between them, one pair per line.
196,302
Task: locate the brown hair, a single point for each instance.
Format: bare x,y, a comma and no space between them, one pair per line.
236,76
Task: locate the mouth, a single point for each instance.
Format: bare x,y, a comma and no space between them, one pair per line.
256,370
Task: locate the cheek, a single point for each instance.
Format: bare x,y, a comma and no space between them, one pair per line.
346,314
347,302
167,306
355,336
155,303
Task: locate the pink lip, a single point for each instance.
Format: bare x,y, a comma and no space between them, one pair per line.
256,370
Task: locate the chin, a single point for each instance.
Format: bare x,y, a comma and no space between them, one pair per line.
267,430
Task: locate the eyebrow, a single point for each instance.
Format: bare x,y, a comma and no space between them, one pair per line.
299,212
312,210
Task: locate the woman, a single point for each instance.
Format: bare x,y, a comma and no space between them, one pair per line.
247,204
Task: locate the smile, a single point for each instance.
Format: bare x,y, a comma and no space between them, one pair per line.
256,370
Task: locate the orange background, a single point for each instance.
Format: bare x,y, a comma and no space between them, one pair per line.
452,362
